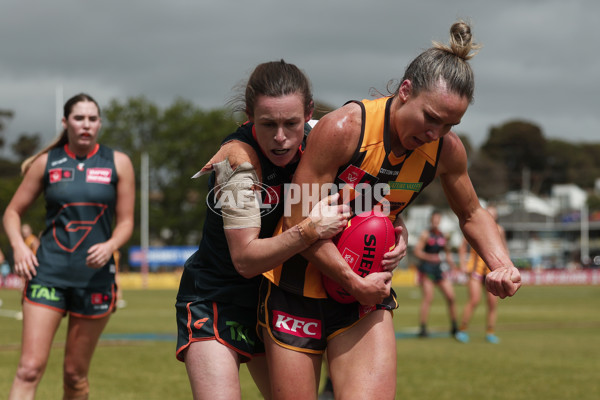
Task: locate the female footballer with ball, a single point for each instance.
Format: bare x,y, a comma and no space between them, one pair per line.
404,140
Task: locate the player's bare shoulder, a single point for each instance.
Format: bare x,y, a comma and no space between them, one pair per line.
337,133
454,156
234,153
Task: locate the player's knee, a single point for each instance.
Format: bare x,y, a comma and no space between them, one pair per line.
75,387
30,372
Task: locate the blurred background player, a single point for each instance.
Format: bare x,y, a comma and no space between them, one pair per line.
31,240
4,270
476,271
431,244
72,271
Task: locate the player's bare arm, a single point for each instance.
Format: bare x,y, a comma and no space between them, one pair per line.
24,259
477,224
250,254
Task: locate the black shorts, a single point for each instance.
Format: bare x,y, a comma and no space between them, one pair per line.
306,324
432,271
88,302
229,324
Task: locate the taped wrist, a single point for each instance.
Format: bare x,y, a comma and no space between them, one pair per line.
308,231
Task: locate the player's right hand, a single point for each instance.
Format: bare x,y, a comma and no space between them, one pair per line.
26,262
329,217
375,288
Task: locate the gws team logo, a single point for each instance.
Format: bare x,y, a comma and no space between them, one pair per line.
232,197
69,234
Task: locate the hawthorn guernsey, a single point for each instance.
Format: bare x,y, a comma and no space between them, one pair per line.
367,237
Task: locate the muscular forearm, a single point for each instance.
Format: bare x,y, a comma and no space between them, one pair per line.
262,255
483,235
325,256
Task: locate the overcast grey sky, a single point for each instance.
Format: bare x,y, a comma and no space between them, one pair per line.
540,61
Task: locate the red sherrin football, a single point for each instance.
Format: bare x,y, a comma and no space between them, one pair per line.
364,241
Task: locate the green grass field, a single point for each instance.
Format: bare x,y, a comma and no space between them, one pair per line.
550,349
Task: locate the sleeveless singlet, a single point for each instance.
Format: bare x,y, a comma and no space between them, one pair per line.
80,199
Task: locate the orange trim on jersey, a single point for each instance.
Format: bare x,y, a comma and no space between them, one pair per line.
89,155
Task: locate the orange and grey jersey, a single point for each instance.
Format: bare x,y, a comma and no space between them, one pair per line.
80,196
375,177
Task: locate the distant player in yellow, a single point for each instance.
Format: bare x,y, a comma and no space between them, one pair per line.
477,270
32,241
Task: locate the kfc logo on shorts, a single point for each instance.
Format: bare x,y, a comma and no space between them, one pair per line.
98,175
296,326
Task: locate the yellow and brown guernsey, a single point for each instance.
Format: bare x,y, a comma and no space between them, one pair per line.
375,177
476,265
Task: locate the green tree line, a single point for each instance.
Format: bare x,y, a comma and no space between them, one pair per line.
180,138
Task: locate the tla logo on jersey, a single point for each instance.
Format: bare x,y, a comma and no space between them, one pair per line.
297,326
98,175
60,174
